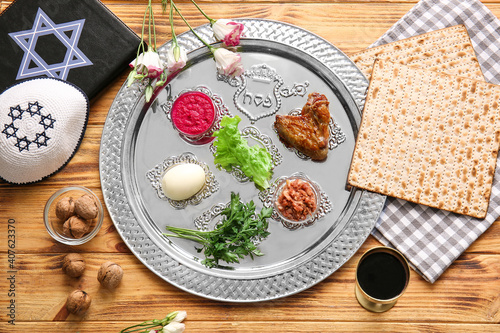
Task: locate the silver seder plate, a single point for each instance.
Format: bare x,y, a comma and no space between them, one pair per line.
283,64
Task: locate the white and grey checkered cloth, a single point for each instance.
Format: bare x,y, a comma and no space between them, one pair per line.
432,239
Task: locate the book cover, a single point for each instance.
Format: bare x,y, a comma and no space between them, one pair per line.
82,42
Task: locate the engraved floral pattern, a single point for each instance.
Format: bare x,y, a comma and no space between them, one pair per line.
156,174
263,139
221,110
337,136
269,196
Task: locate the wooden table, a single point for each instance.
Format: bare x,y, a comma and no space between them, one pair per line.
465,299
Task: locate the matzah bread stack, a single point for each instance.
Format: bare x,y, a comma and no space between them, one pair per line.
447,50
429,138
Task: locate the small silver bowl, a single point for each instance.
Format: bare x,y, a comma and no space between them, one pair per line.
54,225
279,190
206,135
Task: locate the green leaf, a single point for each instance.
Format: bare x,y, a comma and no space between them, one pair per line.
149,92
233,151
131,77
177,52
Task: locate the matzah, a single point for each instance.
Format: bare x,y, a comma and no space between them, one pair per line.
446,50
429,138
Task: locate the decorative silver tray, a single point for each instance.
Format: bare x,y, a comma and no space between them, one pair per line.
290,63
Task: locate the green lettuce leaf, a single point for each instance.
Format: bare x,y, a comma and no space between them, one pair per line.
233,151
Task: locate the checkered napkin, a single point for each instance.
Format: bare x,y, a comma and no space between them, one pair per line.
432,239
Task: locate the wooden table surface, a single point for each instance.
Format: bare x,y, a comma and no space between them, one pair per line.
465,299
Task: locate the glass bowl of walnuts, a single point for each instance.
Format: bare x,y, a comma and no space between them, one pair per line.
73,215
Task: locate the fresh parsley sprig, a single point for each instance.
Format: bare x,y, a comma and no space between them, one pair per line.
234,237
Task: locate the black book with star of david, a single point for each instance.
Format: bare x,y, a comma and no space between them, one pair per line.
81,42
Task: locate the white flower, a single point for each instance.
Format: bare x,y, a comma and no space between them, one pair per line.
148,64
228,63
174,327
180,316
174,65
228,32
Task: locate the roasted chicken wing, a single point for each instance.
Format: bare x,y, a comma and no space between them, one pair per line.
309,132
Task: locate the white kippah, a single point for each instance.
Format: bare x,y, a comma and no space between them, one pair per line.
42,122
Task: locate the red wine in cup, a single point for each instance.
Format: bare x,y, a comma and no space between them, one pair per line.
381,275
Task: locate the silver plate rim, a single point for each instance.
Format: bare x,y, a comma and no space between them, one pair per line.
226,289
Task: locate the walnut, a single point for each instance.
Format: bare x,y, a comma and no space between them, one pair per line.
78,302
110,274
86,207
65,208
75,227
73,265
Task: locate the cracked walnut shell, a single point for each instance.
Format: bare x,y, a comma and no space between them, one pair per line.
110,274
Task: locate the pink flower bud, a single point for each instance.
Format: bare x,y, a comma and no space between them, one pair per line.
176,58
149,64
180,316
228,63
228,32
174,327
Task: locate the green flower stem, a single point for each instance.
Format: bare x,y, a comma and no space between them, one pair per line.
140,49
212,49
152,18
164,4
212,21
171,17
149,24
176,48
147,325
149,14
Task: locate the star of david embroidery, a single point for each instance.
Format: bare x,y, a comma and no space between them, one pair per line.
67,33
23,144
10,130
40,137
47,121
34,108
16,112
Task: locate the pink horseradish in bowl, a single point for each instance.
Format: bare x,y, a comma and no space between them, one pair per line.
193,115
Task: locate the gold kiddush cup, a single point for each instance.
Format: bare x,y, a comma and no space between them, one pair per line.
382,276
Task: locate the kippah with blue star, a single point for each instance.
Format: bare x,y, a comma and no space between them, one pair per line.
42,122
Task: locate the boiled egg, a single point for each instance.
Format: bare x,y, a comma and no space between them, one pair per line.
183,181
